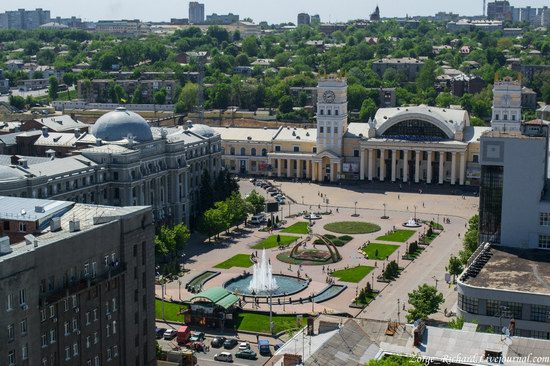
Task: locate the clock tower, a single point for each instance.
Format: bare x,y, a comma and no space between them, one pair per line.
506,105
332,114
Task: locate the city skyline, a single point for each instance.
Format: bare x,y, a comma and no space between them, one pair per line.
276,12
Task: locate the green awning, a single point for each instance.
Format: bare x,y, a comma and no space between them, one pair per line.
218,296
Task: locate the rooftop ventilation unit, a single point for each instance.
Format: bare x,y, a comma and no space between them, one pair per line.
5,247
74,225
31,240
55,224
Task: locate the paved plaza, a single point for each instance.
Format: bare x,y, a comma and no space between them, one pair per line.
368,201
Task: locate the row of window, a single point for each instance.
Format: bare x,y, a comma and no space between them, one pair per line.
329,111
505,309
22,326
544,218
24,355
544,241
10,300
328,129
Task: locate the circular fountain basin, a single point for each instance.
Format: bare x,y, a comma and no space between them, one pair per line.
412,223
287,285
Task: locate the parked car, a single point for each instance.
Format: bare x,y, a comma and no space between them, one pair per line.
224,357
244,345
271,189
218,342
170,334
312,217
263,347
196,337
160,332
230,343
246,353
274,194
257,219
252,180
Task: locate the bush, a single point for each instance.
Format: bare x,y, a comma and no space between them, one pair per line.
330,236
345,237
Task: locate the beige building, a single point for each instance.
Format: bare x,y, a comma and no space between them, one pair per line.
405,144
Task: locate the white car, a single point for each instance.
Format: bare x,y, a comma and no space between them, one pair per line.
257,219
312,217
243,346
224,356
170,334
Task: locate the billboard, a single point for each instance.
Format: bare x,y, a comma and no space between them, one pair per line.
271,207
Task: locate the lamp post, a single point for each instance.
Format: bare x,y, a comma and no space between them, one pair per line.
397,258
372,281
414,213
436,281
355,210
398,313
179,289
356,294
289,203
270,311
302,200
313,302
385,216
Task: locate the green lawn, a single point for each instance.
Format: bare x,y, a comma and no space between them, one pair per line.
354,274
297,228
255,322
399,236
271,242
239,260
352,227
171,311
384,250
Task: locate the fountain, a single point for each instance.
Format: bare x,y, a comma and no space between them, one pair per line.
412,223
262,277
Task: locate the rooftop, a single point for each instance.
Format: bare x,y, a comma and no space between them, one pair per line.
241,133
515,270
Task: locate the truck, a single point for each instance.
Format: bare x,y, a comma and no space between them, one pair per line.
183,334
263,347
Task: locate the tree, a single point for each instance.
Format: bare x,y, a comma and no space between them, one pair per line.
137,97
242,60
456,323
187,99
250,46
368,109
256,200
206,192
424,301
395,361
160,96
455,267
426,77
17,101
213,222
52,90
546,92
286,104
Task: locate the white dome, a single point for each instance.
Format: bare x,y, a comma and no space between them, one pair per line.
121,123
202,130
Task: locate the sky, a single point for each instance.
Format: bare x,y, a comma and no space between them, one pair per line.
273,11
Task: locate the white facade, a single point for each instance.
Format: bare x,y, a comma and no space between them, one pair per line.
506,105
332,114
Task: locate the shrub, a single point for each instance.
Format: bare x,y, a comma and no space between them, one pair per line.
346,238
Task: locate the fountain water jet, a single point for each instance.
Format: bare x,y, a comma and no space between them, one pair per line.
262,278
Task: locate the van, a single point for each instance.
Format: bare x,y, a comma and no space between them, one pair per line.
183,334
224,356
257,219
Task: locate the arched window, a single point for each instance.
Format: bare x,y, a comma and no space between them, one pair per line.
243,151
264,152
253,152
415,129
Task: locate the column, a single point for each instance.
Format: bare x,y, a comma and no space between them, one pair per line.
279,167
332,171
405,166
308,169
371,164
270,163
313,171
289,168
248,162
393,164
382,164
441,166
338,171
362,165
429,180
462,168
453,168
299,169
417,154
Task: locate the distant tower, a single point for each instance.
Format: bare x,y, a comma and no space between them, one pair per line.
376,15
332,114
484,7
506,105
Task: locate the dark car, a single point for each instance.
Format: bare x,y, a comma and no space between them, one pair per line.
160,332
230,343
246,353
218,342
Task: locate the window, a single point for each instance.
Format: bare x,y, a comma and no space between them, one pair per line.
336,112
43,315
115,351
86,269
356,153
544,241
329,112
24,326
328,129
336,130
75,303
114,305
322,112
11,332
296,148
114,326
253,152
513,117
264,152
52,311
75,349
321,129
544,218
87,318
475,158
67,353
108,330
540,313
11,358
44,340
66,304
232,151
22,227
243,151
107,310
497,117
96,338
52,336
22,297
96,361
94,269
89,363
504,309
277,148
468,304
67,328
109,354
9,302
95,314
315,150
25,351
75,325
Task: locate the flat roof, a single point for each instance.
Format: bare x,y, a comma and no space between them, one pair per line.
516,270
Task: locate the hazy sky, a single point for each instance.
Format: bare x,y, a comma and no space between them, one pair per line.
274,11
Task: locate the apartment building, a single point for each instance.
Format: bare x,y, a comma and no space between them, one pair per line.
24,19
100,89
76,284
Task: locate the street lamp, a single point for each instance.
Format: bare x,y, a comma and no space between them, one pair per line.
436,281
398,312
356,294
414,213
398,258
179,288
355,211
302,200
372,284
385,216
289,203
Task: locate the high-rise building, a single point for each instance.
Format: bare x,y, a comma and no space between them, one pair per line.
24,19
316,19
196,12
506,105
76,283
222,18
304,19
499,10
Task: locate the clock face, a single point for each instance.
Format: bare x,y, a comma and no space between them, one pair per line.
506,100
329,96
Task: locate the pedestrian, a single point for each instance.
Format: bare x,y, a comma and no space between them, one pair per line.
398,197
